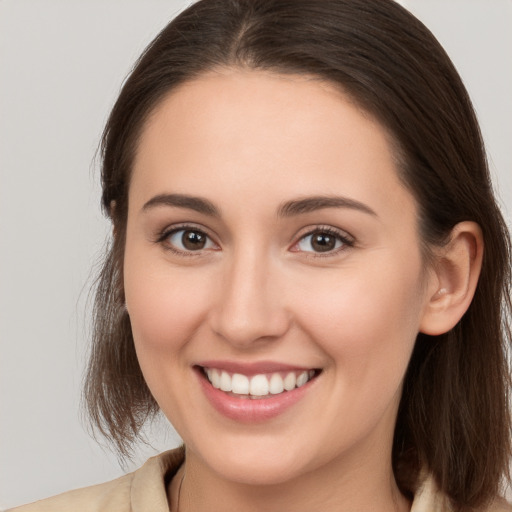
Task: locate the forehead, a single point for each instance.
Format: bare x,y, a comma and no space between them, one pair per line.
265,131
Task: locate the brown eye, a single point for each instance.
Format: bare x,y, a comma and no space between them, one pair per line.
323,241
193,240
187,240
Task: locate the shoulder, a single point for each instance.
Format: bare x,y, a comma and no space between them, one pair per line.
144,489
114,495
500,505
428,498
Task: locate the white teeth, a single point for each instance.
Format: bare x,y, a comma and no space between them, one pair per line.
276,384
257,385
225,381
215,379
290,381
302,379
240,384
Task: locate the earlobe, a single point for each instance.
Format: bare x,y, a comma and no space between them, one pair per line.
111,213
455,274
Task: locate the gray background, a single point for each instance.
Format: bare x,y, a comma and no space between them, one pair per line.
61,66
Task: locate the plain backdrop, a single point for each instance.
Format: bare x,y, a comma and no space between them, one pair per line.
62,63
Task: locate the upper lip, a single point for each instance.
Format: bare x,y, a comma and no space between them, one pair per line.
252,368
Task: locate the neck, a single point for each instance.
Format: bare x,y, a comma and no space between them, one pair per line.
338,486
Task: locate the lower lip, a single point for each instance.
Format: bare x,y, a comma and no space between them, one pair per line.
248,410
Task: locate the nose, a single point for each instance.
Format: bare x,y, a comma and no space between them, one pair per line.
250,308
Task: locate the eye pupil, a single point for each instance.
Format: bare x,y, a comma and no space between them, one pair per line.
323,242
193,240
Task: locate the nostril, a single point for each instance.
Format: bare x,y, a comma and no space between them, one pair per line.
249,309
242,329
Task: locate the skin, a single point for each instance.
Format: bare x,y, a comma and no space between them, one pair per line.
248,142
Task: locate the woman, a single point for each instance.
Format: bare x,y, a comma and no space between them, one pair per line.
309,275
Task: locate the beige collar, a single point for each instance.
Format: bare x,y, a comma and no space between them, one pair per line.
148,493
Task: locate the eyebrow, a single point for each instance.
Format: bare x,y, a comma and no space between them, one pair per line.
197,204
288,209
311,204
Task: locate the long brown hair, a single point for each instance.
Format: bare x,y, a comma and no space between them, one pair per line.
453,418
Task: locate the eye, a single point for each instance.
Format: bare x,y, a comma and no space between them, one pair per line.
188,240
322,240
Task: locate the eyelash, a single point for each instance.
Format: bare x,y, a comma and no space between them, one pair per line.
340,236
163,239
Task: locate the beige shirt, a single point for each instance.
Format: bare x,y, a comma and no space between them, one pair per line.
144,490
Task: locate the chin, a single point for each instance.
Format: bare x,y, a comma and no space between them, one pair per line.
257,461
260,472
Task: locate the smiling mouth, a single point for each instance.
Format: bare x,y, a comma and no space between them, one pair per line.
264,385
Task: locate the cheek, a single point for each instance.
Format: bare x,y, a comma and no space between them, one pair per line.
367,321
165,305
166,309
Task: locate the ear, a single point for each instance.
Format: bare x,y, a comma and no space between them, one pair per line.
453,279
111,214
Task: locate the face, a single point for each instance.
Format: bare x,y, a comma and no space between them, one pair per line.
273,275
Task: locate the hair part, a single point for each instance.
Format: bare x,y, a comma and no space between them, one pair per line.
453,418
